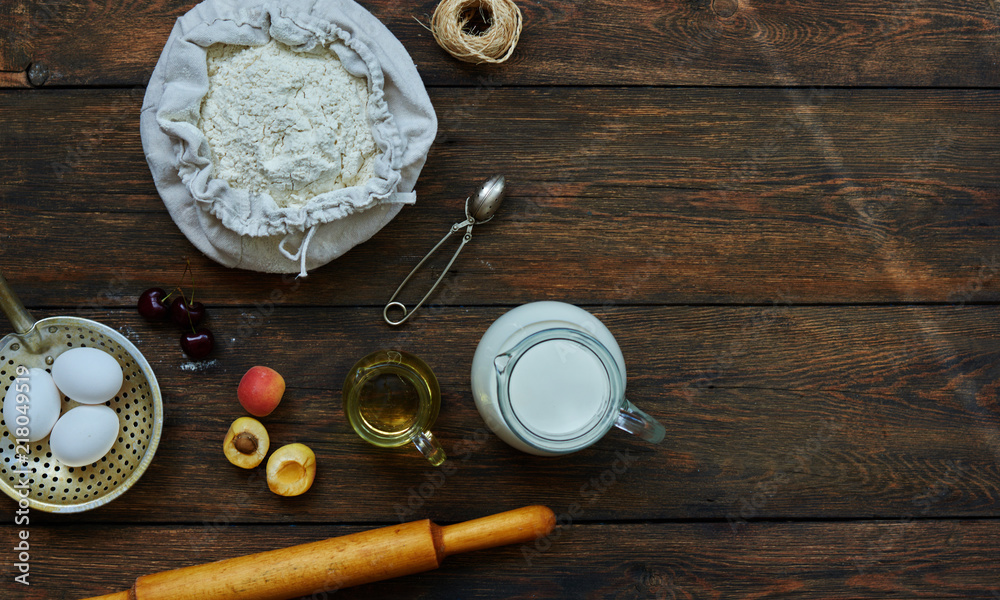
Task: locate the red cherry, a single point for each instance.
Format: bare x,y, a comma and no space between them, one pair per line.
186,314
152,304
197,344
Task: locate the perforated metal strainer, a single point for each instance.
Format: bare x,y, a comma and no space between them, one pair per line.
49,485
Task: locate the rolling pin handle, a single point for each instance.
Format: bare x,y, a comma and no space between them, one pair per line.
518,526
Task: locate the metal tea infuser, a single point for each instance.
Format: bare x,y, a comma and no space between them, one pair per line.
478,209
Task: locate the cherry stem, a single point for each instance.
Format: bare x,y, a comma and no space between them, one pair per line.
190,321
187,269
176,289
192,279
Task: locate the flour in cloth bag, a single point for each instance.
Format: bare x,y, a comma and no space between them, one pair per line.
293,162
290,124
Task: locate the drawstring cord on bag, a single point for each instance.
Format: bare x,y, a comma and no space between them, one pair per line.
303,249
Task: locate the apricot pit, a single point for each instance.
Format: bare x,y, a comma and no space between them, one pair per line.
246,443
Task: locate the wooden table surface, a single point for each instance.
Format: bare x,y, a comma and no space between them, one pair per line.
788,213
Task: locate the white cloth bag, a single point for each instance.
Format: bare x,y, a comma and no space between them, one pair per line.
250,231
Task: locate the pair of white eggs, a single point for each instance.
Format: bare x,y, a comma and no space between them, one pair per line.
83,434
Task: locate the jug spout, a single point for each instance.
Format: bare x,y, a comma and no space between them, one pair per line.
501,362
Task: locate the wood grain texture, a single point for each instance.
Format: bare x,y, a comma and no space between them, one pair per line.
786,212
768,416
15,41
617,195
948,43
929,559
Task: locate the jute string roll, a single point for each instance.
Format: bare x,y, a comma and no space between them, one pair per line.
494,45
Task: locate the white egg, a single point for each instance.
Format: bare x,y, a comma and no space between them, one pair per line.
83,435
87,375
38,409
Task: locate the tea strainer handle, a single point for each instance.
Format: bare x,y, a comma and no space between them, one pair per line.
478,209
468,223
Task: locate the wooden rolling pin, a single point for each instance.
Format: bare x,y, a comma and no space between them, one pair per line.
340,562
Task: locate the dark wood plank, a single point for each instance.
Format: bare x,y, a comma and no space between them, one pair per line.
16,40
772,412
618,195
882,145
929,559
677,42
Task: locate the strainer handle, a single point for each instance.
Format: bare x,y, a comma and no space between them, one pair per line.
20,318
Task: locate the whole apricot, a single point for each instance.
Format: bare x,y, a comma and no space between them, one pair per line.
260,390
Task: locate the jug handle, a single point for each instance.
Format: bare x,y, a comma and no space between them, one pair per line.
429,447
636,422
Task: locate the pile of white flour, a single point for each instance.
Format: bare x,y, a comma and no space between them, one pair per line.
291,124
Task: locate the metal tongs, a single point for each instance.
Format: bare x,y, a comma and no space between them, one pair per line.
478,209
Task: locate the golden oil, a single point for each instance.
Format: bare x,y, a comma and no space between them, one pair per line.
391,397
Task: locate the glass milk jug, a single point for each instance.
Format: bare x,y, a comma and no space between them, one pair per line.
549,379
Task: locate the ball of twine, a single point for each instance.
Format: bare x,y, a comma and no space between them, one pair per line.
451,27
